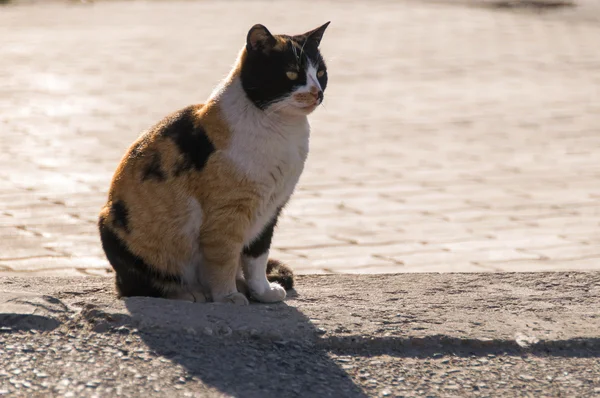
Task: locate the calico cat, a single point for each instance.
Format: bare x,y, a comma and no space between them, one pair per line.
194,202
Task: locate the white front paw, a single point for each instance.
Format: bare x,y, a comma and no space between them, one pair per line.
273,294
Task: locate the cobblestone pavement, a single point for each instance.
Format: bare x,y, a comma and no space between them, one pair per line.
453,138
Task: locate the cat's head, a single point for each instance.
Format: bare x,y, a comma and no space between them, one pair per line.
282,73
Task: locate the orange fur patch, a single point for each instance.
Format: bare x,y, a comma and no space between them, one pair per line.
157,210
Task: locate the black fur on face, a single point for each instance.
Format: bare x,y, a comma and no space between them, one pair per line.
264,72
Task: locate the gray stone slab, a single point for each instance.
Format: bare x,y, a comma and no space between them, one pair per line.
337,335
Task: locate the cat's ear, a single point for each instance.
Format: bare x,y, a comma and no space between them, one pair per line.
316,35
260,39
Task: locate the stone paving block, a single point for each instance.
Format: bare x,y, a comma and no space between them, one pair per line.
68,272
524,243
294,240
437,257
489,225
43,213
593,210
58,230
567,225
536,236
367,236
54,263
350,251
592,237
325,211
400,220
567,252
336,264
441,207
521,214
315,205
293,259
441,237
429,268
582,264
77,245
19,244
389,189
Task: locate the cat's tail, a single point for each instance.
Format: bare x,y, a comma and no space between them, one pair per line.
280,273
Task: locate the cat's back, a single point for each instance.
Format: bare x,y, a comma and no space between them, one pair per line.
176,144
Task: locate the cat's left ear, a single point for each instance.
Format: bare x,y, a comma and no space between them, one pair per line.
316,35
260,39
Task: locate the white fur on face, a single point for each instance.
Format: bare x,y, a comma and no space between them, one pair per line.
311,78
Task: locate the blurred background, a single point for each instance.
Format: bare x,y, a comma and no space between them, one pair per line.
455,135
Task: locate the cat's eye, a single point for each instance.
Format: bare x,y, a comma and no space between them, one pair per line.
320,73
291,75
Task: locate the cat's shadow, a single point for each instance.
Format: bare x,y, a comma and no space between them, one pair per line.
260,350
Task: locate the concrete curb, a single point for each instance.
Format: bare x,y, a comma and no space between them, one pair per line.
388,305
549,316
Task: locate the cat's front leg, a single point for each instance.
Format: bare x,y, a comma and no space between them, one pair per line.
255,271
221,242
255,258
219,275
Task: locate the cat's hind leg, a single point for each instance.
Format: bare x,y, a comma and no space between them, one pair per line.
134,276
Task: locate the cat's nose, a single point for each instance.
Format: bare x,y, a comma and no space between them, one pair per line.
318,94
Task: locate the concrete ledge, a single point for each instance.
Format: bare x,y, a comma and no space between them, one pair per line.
426,316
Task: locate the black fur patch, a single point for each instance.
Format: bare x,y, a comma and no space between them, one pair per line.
263,74
133,276
120,215
263,242
191,140
153,170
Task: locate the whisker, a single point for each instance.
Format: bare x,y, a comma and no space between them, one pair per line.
296,53
303,44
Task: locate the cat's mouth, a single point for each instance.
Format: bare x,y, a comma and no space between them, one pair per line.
312,106
307,102
302,106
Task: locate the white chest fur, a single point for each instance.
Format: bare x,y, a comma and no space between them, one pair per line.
267,149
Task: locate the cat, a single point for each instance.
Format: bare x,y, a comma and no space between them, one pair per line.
194,202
